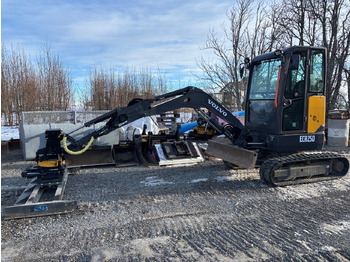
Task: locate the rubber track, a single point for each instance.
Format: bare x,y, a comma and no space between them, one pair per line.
269,166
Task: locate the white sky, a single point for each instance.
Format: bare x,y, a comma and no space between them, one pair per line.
114,33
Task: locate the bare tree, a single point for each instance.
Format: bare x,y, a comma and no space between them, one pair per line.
347,80
6,106
295,23
54,82
280,24
18,85
26,86
110,89
319,23
245,36
333,19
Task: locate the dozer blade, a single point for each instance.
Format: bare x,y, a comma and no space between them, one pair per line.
223,148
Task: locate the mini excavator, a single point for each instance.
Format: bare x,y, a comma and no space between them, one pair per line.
284,122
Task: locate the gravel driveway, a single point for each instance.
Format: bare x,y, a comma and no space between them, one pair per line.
205,212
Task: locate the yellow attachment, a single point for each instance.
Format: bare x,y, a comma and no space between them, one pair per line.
316,113
202,131
51,163
64,142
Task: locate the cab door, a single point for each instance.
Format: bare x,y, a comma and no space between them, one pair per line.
316,118
304,101
294,94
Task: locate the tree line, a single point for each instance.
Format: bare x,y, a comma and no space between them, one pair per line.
27,85
108,89
44,84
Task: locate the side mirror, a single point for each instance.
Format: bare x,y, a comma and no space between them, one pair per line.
243,66
241,71
294,62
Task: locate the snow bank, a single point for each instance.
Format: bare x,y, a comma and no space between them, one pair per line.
8,132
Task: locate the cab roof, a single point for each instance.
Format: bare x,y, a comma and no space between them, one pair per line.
288,50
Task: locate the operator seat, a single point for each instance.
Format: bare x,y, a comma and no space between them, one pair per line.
298,89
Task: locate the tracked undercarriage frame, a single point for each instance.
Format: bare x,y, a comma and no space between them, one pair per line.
303,168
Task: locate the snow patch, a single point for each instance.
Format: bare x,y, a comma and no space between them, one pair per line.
8,132
222,179
155,181
328,248
313,189
199,180
336,228
144,246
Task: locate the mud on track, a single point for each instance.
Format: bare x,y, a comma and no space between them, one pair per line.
200,213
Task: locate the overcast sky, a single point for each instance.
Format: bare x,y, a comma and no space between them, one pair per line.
113,33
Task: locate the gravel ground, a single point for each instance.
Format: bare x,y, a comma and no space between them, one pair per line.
205,212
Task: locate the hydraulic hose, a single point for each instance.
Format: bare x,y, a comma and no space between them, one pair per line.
64,142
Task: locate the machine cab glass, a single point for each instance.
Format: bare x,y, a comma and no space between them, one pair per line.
286,91
294,93
264,79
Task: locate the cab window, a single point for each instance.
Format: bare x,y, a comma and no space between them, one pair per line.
317,72
264,79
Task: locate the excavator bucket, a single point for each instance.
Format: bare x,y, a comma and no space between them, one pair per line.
221,147
124,154
144,155
92,157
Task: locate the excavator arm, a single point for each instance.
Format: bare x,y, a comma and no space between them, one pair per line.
188,97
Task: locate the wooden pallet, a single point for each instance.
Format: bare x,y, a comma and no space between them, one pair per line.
168,120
